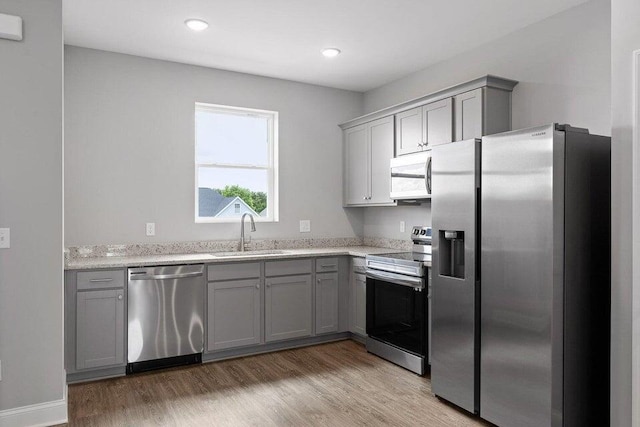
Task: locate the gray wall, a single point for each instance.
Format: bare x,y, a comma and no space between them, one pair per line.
31,276
129,138
625,38
562,64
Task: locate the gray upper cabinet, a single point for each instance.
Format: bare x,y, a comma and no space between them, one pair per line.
99,328
233,313
480,112
288,307
381,153
356,146
409,132
420,128
326,303
437,123
469,115
368,149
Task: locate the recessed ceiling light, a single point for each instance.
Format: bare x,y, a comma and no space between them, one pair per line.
331,52
196,24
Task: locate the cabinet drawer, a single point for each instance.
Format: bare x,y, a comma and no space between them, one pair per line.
285,268
100,279
326,264
241,270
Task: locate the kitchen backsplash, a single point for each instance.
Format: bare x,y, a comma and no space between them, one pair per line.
143,249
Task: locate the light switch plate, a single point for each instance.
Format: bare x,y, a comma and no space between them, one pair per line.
10,27
305,225
402,227
5,238
151,229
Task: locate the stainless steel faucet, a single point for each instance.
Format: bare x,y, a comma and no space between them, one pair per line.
253,228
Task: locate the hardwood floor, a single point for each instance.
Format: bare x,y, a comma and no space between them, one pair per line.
336,384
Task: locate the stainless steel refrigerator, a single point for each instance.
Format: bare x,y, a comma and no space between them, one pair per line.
455,174
540,252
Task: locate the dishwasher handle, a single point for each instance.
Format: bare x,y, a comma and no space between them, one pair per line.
143,276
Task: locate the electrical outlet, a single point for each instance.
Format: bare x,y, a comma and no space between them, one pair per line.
305,225
151,229
5,238
402,226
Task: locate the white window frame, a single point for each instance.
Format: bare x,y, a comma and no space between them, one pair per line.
271,168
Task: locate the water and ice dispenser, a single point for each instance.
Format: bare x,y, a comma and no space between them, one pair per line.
452,253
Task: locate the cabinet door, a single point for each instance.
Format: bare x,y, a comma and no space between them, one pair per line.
356,140
287,307
99,328
326,303
359,305
381,153
409,131
233,314
437,122
468,115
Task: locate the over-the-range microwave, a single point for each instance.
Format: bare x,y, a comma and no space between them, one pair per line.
411,176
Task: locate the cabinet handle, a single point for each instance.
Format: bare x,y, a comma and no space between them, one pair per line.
328,265
100,280
257,286
268,285
364,198
318,281
120,296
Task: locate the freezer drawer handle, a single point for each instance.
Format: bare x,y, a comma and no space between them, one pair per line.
166,276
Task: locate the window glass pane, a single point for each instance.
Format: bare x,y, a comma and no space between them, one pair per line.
231,138
221,189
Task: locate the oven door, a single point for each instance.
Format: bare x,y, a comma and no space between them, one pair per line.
397,310
411,176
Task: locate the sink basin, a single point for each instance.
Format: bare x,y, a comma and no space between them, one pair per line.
246,253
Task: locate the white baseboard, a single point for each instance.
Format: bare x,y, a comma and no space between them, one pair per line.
41,414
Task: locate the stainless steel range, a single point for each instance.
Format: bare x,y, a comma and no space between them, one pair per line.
398,304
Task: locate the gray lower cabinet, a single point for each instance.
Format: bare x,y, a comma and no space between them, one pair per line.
326,303
358,318
233,314
95,310
99,328
288,309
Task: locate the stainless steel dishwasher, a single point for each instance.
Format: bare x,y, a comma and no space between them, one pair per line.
165,316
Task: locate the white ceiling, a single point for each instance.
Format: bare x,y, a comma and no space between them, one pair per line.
381,40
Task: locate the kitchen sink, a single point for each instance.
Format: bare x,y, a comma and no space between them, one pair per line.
246,253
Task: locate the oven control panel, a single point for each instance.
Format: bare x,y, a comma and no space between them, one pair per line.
421,234
421,237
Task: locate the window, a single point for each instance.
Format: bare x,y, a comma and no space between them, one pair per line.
236,163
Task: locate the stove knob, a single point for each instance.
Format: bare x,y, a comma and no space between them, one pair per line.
423,232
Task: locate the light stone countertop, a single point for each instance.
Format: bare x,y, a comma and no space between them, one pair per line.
86,263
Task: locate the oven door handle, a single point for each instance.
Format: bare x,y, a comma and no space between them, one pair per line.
397,279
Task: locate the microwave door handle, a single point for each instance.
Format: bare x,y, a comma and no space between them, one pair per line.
427,176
